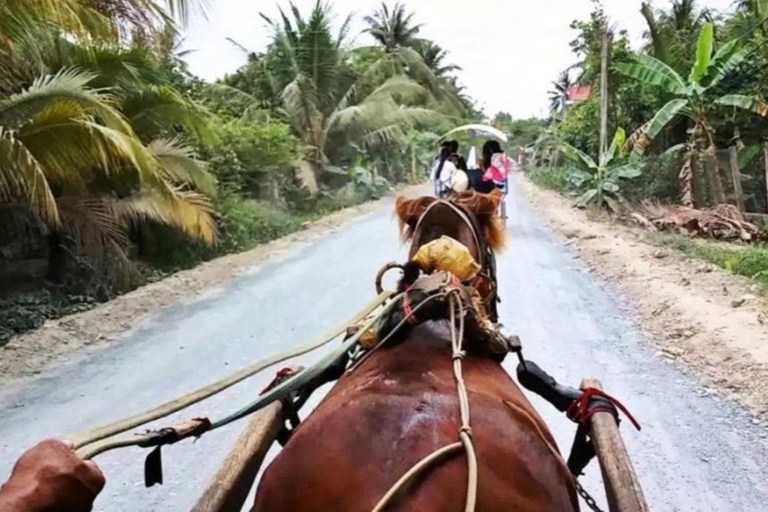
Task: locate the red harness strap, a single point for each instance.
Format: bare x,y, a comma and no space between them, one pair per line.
407,309
280,376
583,408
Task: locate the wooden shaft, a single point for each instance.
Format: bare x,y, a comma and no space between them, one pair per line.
736,173
229,487
621,483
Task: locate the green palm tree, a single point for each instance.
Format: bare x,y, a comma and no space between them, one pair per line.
393,28
672,33
558,96
694,99
434,57
72,159
327,108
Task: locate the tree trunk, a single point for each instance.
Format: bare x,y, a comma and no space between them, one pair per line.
57,258
687,180
713,172
736,174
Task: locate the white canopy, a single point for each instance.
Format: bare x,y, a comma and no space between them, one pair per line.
479,130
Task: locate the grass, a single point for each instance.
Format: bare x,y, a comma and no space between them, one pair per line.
554,178
746,260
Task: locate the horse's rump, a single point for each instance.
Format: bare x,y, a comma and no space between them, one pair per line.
401,405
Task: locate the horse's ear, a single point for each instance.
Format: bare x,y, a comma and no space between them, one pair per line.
486,207
489,203
409,211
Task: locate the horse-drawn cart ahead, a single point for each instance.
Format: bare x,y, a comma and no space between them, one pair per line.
454,173
422,415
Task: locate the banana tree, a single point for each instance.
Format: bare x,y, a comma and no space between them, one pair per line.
694,100
601,182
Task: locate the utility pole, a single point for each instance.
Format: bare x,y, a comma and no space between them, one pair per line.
765,142
604,92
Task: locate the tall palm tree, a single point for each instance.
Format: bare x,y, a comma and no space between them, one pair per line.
434,57
672,32
89,134
694,99
393,28
61,138
324,105
558,96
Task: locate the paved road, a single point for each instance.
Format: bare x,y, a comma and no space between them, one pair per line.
694,454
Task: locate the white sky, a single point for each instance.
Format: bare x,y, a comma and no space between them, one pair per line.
510,50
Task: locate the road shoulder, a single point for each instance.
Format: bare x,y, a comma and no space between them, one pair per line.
685,307
58,341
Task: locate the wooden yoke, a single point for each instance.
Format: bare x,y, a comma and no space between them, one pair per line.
229,487
621,483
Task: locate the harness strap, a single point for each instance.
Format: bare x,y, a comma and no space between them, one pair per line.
593,401
465,430
474,228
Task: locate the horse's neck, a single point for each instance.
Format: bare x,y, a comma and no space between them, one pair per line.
425,349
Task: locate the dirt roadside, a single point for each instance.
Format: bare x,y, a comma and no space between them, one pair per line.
58,340
685,306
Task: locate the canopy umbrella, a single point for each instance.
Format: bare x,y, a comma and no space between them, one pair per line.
479,130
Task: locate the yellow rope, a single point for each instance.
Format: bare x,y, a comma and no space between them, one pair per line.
414,471
465,431
89,437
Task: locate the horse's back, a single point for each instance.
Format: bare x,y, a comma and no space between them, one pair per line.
400,406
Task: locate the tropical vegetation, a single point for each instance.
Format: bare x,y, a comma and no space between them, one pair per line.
690,96
117,164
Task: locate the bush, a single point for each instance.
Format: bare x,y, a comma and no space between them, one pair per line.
578,128
251,157
555,178
658,181
247,222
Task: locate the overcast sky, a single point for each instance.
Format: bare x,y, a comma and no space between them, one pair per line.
510,50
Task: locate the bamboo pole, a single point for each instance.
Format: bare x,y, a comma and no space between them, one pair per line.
736,174
229,487
621,483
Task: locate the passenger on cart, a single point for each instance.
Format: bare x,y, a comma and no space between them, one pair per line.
443,170
495,166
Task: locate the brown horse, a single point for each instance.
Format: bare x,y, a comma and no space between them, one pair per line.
400,405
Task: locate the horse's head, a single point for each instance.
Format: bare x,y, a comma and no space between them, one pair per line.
469,217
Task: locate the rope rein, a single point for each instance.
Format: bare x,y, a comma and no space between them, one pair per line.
465,430
101,439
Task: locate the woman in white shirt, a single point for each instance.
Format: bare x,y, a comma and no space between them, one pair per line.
442,172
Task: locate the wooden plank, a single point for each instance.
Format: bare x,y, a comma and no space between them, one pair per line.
736,174
229,487
621,483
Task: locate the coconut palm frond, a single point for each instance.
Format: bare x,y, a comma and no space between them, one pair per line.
179,165
188,211
22,178
153,110
68,85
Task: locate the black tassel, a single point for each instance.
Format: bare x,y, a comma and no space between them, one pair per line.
153,468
